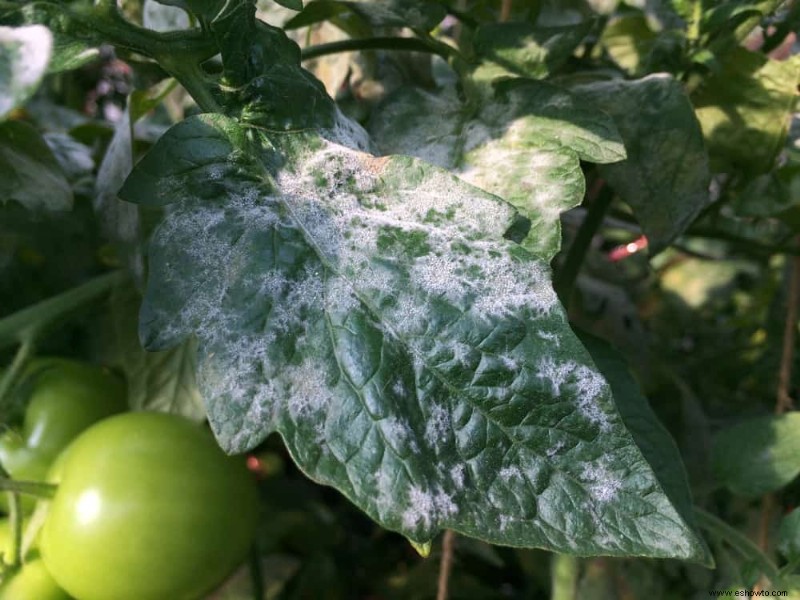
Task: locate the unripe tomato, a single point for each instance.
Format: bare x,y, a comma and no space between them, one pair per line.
65,398
147,508
32,582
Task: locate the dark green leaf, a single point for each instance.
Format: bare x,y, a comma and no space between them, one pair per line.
759,455
525,145
651,436
744,110
31,174
292,4
371,311
665,178
71,54
523,50
263,65
421,15
24,55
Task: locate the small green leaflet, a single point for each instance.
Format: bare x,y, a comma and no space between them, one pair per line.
420,15
24,55
525,145
371,311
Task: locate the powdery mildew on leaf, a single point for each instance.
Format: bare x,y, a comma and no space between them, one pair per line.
525,146
23,62
370,310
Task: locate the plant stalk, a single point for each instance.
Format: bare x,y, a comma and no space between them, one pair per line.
564,571
446,564
37,489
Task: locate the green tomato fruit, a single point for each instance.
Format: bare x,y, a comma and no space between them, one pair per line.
66,398
147,508
32,582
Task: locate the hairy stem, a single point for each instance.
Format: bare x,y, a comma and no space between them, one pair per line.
446,564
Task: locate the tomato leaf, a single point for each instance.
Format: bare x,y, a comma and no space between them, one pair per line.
25,53
759,455
416,14
749,88
522,50
371,311
665,178
32,176
525,145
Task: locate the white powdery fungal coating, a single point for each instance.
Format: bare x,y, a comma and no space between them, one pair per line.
425,507
587,385
438,426
601,482
309,388
457,474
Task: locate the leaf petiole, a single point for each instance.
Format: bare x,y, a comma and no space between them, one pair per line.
37,489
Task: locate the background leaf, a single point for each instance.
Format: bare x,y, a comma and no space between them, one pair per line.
753,89
25,53
31,175
416,14
759,455
665,177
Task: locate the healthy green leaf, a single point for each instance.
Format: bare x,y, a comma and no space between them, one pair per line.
752,89
651,436
524,145
523,50
31,175
71,54
370,310
665,178
24,55
759,455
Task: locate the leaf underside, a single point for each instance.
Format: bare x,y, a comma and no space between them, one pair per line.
372,312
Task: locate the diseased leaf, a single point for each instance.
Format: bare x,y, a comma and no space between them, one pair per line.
523,50
753,90
31,175
371,311
651,436
159,16
205,10
161,381
759,455
24,55
417,14
525,145
665,178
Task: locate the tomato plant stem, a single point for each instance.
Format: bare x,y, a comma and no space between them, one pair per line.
568,274
10,377
446,564
563,577
36,489
15,519
27,324
739,542
378,43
